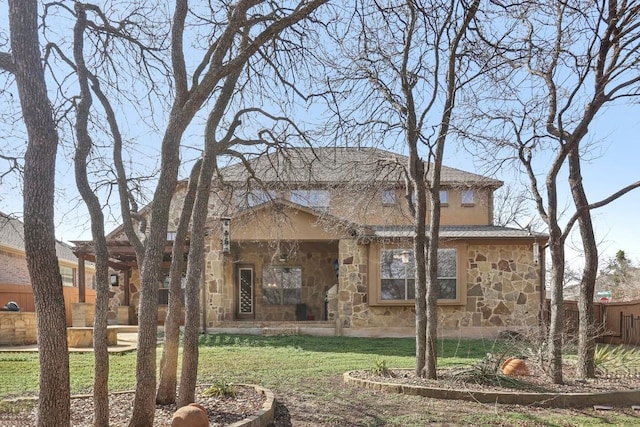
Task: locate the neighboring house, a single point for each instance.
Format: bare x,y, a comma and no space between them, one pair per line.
15,284
326,235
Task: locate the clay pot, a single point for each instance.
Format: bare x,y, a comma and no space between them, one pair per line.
192,415
515,367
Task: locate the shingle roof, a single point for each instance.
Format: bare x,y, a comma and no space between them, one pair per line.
12,236
457,232
339,164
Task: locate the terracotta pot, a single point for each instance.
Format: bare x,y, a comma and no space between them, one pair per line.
515,367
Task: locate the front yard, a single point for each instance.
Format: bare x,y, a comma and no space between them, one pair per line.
305,373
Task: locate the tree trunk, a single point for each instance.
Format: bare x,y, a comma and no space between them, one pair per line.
416,171
83,148
144,401
195,268
39,231
169,363
556,324
586,330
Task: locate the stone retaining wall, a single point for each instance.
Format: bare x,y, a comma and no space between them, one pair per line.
18,328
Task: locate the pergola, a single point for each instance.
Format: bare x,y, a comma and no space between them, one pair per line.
122,258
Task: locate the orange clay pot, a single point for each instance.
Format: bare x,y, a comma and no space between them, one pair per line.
515,367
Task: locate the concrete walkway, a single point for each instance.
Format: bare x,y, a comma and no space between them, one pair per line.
127,341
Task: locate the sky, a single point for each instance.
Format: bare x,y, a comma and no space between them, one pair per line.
610,165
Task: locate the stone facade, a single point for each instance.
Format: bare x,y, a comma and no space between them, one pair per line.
502,291
18,328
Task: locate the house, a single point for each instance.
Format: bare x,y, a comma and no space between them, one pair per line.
15,284
323,237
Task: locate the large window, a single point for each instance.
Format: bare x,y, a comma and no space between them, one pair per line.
281,285
315,199
397,274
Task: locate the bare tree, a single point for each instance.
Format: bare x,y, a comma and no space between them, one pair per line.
265,22
24,62
568,63
407,63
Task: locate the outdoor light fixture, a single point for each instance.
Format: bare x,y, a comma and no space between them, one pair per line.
404,257
536,252
226,237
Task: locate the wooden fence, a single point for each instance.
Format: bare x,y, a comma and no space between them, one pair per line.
23,296
616,323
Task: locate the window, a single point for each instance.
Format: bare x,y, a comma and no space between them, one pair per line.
171,236
254,198
68,275
281,285
468,197
444,197
315,199
163,290
389,197
397,274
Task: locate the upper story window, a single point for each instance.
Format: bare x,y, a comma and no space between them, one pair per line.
171,236
389,197
254,198
468,197
444,197
316,199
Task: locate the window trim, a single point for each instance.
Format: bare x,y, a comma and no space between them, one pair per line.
375,283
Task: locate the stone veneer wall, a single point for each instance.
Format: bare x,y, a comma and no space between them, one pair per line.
318,275
18,328
502,285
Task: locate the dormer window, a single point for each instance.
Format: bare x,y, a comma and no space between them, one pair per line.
315,199
468,197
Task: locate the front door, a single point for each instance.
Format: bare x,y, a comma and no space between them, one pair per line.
245,293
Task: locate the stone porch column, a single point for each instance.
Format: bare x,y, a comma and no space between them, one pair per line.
352,284
214,290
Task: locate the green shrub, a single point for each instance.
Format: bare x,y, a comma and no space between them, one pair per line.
221,388
617,360
380,368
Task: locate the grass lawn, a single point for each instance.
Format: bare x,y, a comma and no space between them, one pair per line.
305,373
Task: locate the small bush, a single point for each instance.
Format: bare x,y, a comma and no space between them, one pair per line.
221,389
380,368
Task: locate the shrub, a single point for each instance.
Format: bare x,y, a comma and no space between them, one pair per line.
221,388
